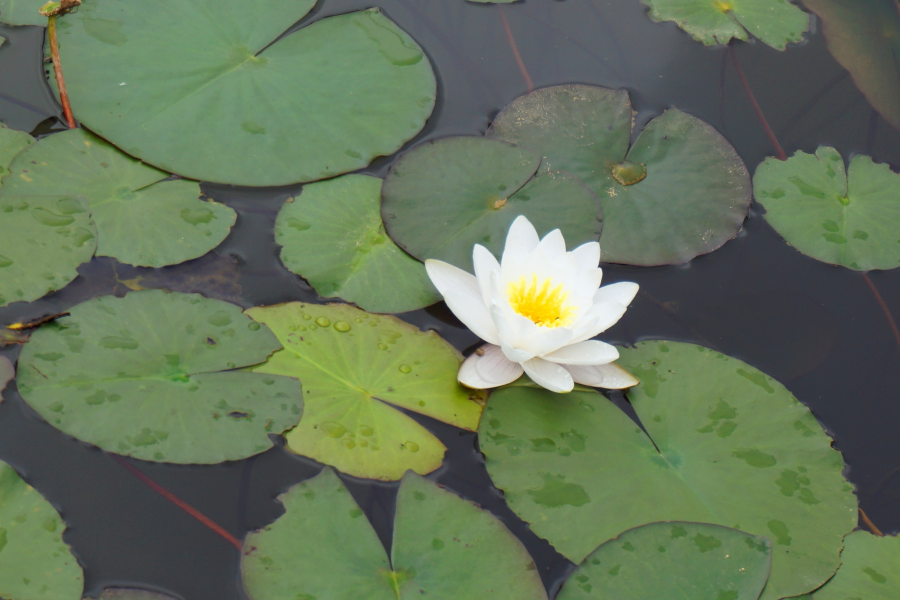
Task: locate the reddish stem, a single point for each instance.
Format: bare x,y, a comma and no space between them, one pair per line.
779,151
870,524
884,307
179,502
515,50
57,68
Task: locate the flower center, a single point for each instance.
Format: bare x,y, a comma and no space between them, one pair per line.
542,302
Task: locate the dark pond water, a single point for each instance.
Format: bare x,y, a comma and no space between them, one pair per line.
817,329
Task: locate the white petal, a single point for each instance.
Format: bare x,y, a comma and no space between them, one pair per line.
516,355
590,352
488,370
587,256
553,245
622,292
463,296
598,319
485,264
610,376
521,239
549,375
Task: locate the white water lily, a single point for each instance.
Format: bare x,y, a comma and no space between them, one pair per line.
537,310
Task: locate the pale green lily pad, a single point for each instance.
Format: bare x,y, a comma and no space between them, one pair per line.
22,12
844,218
773,22
332,236
35,562
324,100
442,547
355,368
11,143
735,449
141,219
7,372
674,560
443,197
152,375
680,191
870,569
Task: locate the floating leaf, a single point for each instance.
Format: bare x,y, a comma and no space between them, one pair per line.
735,448
674,560
774,22
844,218
22,12
332,236
442,547
870,569
11,143
270,110
445,196
355,368
36,563
680,191
7,372
151,375
141,219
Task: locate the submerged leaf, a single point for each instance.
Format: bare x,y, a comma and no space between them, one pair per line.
870,569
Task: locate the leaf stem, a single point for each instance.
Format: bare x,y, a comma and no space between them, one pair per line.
870,524
884,307
779,151
57,68
515,49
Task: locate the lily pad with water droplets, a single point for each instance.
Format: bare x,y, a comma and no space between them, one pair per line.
356,368
681,190
735,448
216,91
847,218
22,12
153,375
870,569
442,547
674,560
35,562
332,236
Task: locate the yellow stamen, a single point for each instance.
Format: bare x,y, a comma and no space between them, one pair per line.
543,304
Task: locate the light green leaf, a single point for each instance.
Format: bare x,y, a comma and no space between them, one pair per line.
332,236
22,12
443,547
152,375
355,368
850,219
870,569
324,100
735,448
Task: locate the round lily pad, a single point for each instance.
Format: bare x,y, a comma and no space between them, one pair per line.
443,197
442,547
674,560
152,375
35,562
214,91
774,22
847,218
869,569
332,236
22,12
355,368
142,218
727,445
680,191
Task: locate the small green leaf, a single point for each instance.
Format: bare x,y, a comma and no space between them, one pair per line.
869,569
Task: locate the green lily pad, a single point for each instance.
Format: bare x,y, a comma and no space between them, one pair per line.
332,236
735,448
844,218
7,372
141,219
355,368
869,569
22,12
443,197
680,191
324,100
107,376
11,143
36,563
442,547
674,560
773,22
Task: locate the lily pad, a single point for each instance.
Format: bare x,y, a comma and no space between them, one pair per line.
332,236
869,569
674,560
142,218
774,22
442,547
735,448
22,12
36,563
214,91
356,368
680,191
443,197
11,143
107,376
847,218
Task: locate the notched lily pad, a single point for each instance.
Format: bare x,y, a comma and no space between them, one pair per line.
106,376
356,368
869,569
22,12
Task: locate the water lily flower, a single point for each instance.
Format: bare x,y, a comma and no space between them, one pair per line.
537,309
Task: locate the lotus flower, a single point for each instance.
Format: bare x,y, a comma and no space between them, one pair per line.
537,310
